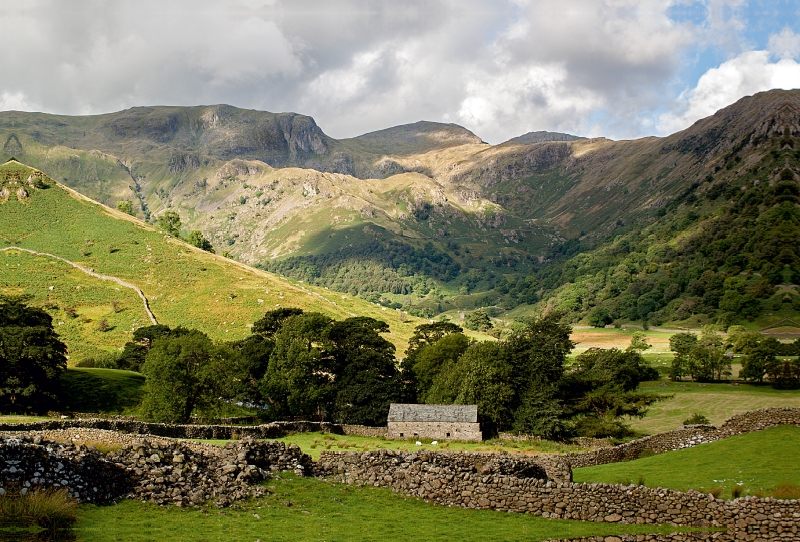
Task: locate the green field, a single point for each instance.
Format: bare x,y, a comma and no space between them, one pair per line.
717,402
102,390
320,510
756,462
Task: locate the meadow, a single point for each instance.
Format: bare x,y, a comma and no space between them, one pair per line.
761,463
311,509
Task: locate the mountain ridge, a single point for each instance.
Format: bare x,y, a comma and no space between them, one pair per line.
434,227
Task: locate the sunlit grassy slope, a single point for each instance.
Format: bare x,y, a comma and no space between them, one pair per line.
184,285
756,462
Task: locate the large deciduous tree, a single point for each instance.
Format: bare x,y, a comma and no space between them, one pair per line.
367,379
32,358
186,373
299,381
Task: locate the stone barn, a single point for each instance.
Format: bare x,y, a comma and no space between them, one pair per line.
441,422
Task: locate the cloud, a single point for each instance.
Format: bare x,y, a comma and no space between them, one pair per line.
499,67
743,75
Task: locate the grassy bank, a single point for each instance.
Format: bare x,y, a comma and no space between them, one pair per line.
310,509
757,463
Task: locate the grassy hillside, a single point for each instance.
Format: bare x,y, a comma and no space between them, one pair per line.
183,285
764,462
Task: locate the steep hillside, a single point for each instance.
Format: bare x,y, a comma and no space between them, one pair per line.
99,271
428,217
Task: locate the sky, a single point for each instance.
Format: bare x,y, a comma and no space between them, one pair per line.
615,68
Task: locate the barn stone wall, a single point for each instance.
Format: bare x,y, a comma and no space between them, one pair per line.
470,432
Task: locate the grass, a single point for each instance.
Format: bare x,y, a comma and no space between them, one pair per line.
314,443
311,509
717,402
14,418
50,510
102,390
752,464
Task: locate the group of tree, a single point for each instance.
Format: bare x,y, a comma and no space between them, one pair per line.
294,365
707,357
524,384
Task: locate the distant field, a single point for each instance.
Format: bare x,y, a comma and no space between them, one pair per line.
301,509
617,338
717,402
756,462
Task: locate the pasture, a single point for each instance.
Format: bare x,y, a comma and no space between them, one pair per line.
761,463
299,509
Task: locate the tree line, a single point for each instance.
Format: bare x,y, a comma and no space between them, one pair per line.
305,365
707,357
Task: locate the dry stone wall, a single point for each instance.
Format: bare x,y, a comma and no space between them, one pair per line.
688,436
157,470
220,432
500,484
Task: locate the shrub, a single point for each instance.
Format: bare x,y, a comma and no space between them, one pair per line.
103,326
786,491
48,509
696,419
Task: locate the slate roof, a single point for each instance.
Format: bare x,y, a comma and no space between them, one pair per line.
399,412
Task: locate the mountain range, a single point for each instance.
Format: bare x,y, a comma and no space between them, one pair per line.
694,228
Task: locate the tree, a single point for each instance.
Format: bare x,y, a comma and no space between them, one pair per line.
32,358
599,317
170,222
299,379
253,354
602,389
126,207
424,334
484,380
429,334
185,373
639,342
681,344
434,365
272,321
784,375
135,350
196,238
478,320
366,377
536,355
759,358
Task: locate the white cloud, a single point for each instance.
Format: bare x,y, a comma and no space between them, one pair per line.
741,76
785,45
14,101
501,68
